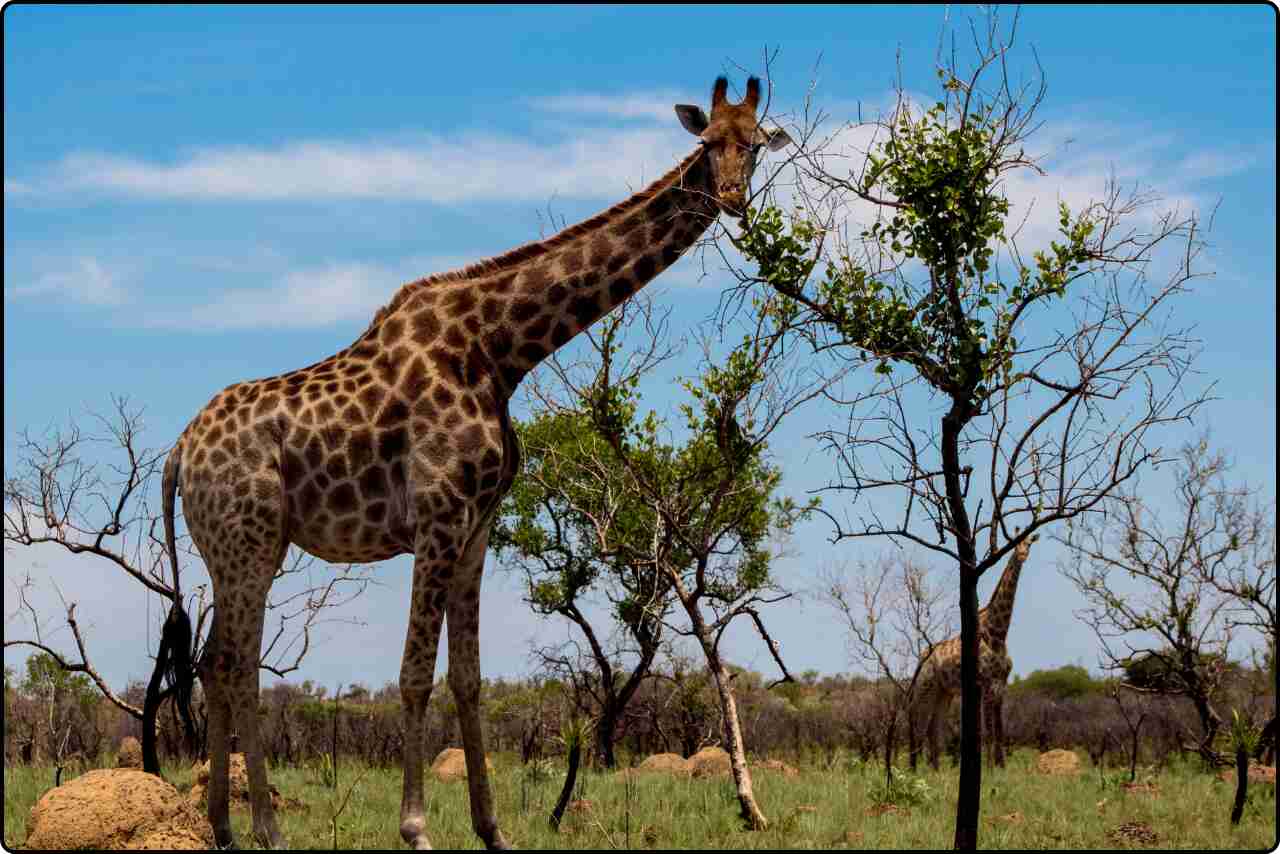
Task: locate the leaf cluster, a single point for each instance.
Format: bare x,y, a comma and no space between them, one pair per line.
936,181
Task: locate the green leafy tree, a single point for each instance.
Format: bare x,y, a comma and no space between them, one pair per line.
1011,389
569,526
691,518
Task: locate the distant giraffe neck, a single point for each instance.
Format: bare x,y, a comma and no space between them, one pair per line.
581,274
999,611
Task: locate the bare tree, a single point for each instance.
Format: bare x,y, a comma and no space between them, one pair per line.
1162,596
1012,389
1246,575
894,617
88,493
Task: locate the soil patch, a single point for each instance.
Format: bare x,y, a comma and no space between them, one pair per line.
776,766
450,765
116,809
1257,774
887,809
664,763
710,762
1134,833
1058,762
130,753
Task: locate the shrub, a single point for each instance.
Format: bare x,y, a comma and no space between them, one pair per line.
1061,683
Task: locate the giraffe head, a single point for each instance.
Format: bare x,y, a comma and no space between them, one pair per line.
1023,549
733,139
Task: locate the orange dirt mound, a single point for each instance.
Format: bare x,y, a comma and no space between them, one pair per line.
116,809
238,775
887,809
669,763
450,764
238,785
710,762
130,754
1059,762
1133,832
1257,774
777,766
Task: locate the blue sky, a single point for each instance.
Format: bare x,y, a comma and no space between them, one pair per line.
195,196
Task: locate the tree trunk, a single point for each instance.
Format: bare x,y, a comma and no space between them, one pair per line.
968,801
913,745
570,777
970,792
1266,751
606,731
751,813
1242,783
889,736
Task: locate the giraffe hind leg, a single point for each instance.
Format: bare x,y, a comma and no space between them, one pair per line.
219,712
242,694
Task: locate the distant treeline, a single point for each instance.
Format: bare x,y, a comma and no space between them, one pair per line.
51,715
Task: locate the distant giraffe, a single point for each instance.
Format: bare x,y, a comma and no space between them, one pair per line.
401,443
940,678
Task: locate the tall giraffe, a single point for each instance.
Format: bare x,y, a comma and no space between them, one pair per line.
940,678
402,443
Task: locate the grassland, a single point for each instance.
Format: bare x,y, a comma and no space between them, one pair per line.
825,807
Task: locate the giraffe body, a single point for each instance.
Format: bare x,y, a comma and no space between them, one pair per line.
402,444
940,678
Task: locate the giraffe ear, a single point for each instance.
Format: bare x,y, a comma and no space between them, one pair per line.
774,138
693,118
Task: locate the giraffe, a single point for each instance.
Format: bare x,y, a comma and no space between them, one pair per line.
402,443
940,676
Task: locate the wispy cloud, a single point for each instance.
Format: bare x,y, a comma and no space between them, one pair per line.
86,282
438,169
650,106
304,298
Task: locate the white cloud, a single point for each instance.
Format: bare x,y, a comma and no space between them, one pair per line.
87,282
653,106
304,298
598,164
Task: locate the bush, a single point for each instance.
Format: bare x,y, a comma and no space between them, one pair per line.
1061,683
903,789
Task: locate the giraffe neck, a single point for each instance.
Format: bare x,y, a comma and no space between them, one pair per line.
581,274
999,611
502,316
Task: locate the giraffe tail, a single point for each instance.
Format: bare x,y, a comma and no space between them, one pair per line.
168,497
176,637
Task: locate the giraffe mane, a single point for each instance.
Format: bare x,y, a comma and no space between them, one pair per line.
534,249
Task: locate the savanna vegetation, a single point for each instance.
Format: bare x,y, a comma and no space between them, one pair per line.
830,728
975,428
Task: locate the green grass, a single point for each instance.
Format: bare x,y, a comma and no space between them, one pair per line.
1191,810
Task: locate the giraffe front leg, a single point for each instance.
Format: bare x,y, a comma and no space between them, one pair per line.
464,681
417,674
996,713
935,735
